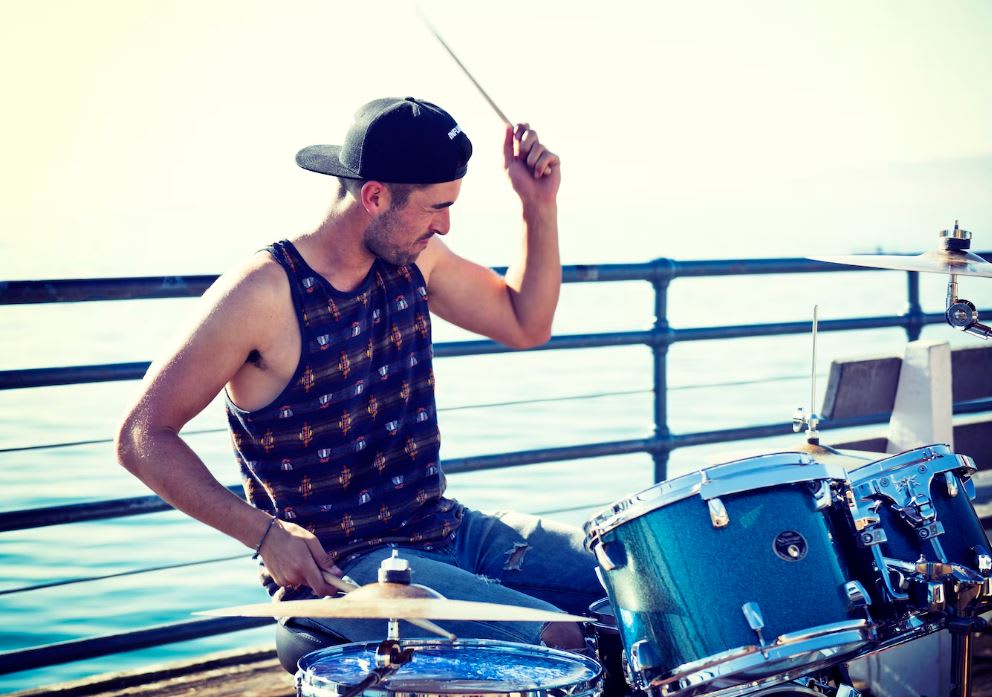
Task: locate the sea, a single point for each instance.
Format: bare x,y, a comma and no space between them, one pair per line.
158,140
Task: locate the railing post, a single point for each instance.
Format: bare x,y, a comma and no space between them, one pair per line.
914,313
664,270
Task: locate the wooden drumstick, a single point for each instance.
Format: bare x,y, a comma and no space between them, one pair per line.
485,95
346,587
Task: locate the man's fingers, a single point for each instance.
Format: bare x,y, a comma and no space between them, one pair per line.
508,148
546,164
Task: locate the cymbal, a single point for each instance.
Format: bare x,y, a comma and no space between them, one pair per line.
848,459
402,609
395,601
947,261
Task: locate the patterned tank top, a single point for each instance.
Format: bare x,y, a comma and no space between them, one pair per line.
349,449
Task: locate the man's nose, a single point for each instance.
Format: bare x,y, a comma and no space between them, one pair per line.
442,222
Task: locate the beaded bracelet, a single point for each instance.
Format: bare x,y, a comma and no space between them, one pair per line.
258,549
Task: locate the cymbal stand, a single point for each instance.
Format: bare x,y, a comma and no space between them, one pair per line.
800,419
960,313
389,655
388,658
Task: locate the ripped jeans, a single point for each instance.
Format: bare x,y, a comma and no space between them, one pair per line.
507,558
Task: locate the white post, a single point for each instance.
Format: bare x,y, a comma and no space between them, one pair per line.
922,413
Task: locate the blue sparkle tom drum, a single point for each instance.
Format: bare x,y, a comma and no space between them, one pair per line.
732,577
911,516
467,667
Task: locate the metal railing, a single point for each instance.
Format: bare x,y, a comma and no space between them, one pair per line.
659,273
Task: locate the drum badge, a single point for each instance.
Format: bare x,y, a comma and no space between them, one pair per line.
790,546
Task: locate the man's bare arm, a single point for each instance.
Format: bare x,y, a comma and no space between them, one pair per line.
236,313
516,310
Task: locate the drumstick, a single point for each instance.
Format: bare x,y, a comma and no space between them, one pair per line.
346,587
499,112
485,95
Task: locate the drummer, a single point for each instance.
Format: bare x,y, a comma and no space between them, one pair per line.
321,344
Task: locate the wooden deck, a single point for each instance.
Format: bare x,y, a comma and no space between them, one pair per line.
254,673
258,674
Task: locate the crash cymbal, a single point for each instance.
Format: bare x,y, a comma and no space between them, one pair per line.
350,607
947,261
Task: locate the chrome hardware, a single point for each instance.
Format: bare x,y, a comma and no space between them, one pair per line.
822,495
869,538
986,590
609,554
643,655
951,480
800,419
926,532
936,599
983,561
846,691
865,517
882,564
752,613
857,596
718,513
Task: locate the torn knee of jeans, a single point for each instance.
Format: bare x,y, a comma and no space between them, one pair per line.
515,557
489,579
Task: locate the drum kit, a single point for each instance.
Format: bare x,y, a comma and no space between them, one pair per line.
763,576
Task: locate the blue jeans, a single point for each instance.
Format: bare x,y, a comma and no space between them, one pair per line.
506,558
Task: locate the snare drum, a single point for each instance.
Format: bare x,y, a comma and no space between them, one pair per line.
911,515
466,667
731,578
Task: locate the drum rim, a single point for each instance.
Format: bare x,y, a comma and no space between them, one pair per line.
305,678
934,452
858,635
722,479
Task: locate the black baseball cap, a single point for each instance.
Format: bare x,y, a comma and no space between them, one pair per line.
397,141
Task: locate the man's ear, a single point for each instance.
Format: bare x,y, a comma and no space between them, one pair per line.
374,197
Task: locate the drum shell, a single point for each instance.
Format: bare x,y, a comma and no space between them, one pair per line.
481,668
682,582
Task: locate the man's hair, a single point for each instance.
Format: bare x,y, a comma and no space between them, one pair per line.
400,193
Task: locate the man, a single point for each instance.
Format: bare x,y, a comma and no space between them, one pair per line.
323,346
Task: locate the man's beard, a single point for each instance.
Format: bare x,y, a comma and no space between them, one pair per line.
378,236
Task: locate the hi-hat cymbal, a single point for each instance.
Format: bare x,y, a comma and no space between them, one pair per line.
948,261
400,608
395,601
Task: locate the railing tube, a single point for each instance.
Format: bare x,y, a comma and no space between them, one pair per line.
915,318
664,270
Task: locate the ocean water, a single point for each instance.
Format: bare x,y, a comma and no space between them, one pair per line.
157,138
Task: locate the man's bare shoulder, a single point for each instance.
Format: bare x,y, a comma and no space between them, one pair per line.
259,281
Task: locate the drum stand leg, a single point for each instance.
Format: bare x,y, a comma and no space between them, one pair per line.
961,630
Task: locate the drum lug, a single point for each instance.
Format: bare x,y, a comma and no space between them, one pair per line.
822,494
986,591
931,595
951,480
846,691
755,620
718,513
983,561
643,655
857,596
610,555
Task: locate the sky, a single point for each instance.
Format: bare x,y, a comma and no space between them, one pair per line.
158,137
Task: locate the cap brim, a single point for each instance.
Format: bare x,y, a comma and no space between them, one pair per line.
324,159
